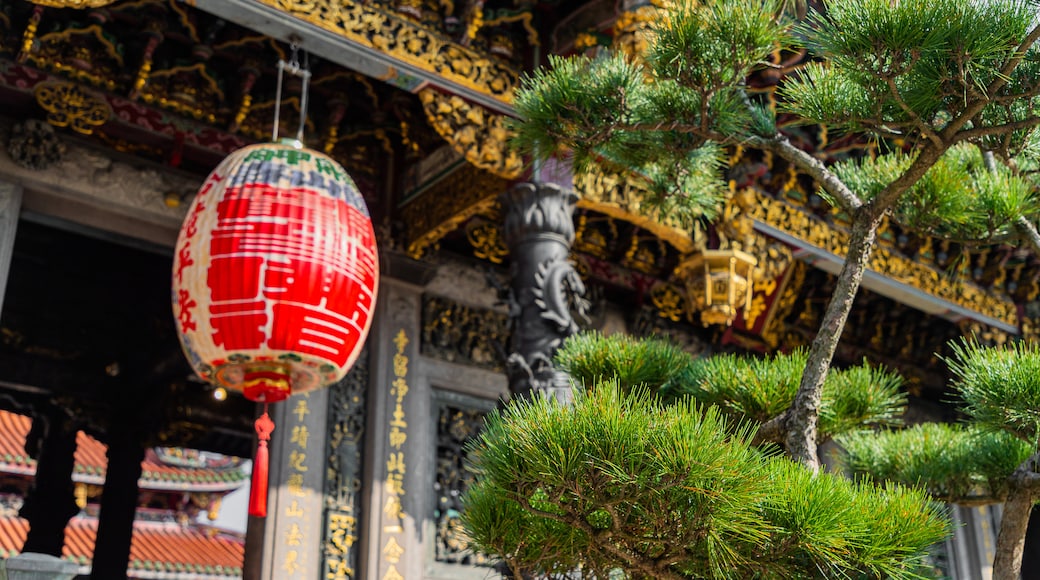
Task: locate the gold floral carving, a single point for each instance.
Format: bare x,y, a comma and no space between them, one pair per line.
621,197
632,29
77,4
406,40
449,203
477,134
985,334
669,300
188,89
487,242
69,105
925,278
84,54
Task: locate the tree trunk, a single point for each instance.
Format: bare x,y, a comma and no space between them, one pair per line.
803,415
1011,541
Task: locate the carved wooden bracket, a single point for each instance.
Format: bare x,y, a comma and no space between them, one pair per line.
476,133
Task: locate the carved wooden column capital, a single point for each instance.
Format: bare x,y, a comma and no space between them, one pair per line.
546,291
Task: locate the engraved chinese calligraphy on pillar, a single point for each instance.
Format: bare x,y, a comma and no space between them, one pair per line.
396,464
546,291
292,538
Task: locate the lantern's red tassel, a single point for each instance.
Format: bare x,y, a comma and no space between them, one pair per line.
258,488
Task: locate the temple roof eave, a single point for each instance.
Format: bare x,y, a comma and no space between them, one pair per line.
897,290
321,38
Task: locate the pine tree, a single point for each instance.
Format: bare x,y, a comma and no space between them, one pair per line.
655,471
992,458
947,89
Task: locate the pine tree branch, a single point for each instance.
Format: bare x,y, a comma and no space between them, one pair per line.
772,431
1020,53
603,541
918,123
997,129
999,81
924,161
1028,230
813,167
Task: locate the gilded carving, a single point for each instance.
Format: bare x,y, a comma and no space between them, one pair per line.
448,204
644,254
346,426
463,334
74,4
631,30
456,426
595,235
621,196
85,54
927,279
487,242
479,135
402,38
669,301
985,334
189,90
69,105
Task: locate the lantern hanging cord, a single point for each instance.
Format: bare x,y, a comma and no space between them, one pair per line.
294,68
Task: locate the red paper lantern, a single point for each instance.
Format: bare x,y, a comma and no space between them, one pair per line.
274,278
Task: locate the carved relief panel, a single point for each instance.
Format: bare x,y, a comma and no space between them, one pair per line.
459,419
346,432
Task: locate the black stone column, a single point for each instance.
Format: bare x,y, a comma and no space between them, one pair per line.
51,500
546,290
142,393
118,503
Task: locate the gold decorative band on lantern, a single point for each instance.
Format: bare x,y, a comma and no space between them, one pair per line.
267,382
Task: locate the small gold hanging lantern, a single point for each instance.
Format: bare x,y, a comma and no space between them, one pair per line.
718,283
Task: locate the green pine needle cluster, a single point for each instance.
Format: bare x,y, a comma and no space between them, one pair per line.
620,481
744,388
957,198
760,389
1000,387
632,362
663,118
954,463
905,68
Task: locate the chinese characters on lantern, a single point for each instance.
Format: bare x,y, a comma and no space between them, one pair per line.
295,564
275,271
395,463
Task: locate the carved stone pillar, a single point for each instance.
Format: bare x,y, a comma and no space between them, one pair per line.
545,288
51,501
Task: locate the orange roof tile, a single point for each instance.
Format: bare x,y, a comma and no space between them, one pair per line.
91,463
157,550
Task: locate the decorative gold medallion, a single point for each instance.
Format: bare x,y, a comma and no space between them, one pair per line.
69,105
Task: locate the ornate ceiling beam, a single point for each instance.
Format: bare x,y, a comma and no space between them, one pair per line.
378,44
904,280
